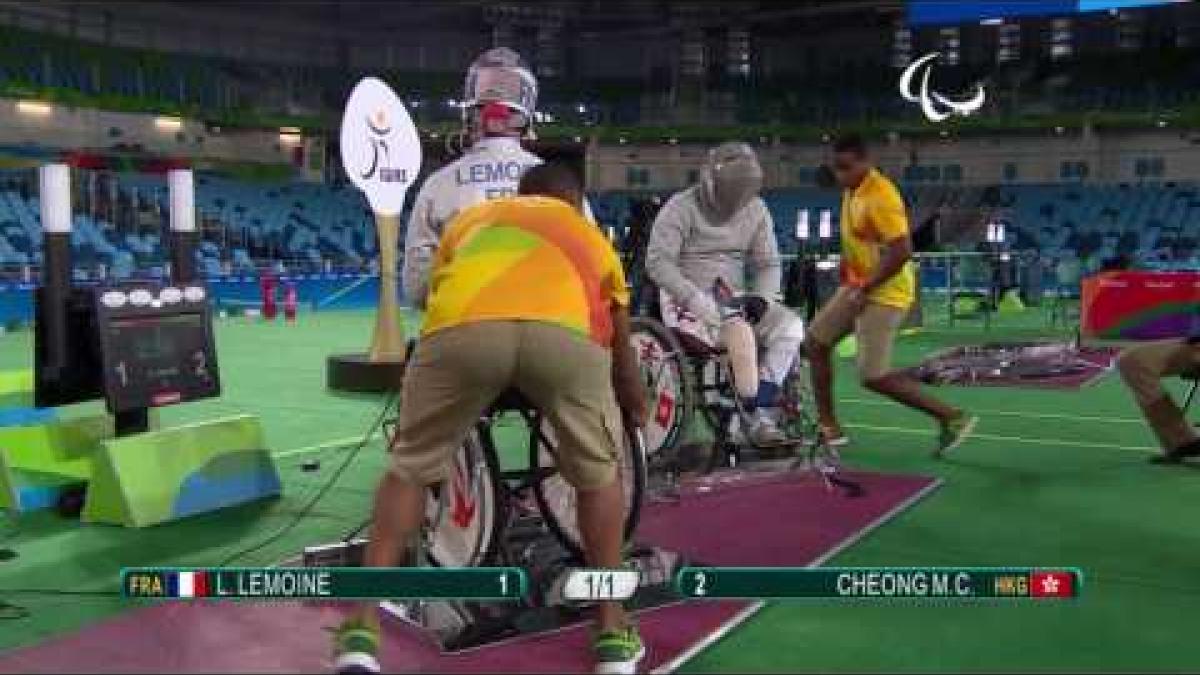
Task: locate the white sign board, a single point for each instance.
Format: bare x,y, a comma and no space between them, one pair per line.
381,151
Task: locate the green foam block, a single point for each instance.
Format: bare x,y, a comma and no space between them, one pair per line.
16,388
159,476
64,449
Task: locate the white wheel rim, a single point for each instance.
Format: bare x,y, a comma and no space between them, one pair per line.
461,512
662,376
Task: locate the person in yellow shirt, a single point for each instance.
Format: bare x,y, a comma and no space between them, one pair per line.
527,294
877,288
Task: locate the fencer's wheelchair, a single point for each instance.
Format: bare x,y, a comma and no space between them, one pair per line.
468,517
685,377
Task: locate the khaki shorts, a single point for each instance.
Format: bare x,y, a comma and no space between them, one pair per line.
1144,365
874,328
455,373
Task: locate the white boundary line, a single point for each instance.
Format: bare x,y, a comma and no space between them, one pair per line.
1010,413
348,440
739,618
1016,439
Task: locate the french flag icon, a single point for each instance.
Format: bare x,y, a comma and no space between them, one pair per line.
188,584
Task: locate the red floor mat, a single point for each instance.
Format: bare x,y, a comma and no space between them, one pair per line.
739,518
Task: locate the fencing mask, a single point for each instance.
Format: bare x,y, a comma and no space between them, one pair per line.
500,76
731,179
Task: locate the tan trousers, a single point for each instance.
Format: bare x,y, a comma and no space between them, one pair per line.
1142,368
455,373
874,326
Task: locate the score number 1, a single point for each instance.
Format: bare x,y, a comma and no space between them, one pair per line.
512,584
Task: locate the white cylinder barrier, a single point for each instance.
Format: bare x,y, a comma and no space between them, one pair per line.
825,225
55,196
802,230
183,200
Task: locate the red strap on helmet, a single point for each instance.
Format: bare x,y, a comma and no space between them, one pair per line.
495,118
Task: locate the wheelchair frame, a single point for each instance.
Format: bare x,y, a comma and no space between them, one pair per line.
498,493
706,385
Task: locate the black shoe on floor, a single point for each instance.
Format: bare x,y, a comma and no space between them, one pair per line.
1179,454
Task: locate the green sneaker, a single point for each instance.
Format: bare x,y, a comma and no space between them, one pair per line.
355,645
954,432
618,652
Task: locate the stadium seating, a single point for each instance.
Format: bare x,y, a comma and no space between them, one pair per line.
240,221
312,225
1154,223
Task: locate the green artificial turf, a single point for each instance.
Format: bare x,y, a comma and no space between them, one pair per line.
1053,478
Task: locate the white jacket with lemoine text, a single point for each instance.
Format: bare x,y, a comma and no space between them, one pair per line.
688,252
491,168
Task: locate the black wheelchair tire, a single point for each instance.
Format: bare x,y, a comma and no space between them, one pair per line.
637,461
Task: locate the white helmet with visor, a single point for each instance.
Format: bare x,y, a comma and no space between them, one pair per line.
500,76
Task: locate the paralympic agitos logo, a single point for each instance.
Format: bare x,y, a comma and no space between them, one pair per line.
379,128
935,106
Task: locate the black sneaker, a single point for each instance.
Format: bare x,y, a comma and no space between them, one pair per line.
1179,454
954,431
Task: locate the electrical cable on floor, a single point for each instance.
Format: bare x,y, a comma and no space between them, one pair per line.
349,536
9,611
12,612
337,474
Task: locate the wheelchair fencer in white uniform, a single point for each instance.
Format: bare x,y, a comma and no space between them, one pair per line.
721,338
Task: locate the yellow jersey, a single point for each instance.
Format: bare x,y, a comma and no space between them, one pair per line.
872,216
525,258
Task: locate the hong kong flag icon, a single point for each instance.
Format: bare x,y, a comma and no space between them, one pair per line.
1054,584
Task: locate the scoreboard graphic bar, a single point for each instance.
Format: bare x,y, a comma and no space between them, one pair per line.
942,583
309,583
512,583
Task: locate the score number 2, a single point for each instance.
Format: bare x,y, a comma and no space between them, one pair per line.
700,579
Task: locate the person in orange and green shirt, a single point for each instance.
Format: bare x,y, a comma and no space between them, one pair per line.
877,288
527,294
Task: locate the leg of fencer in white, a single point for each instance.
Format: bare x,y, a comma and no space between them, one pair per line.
780,334
738,339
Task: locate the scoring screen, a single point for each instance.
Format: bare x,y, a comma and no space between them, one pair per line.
158,354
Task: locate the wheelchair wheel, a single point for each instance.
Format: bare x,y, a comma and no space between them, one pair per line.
667,376
556,498
799,405
465,513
